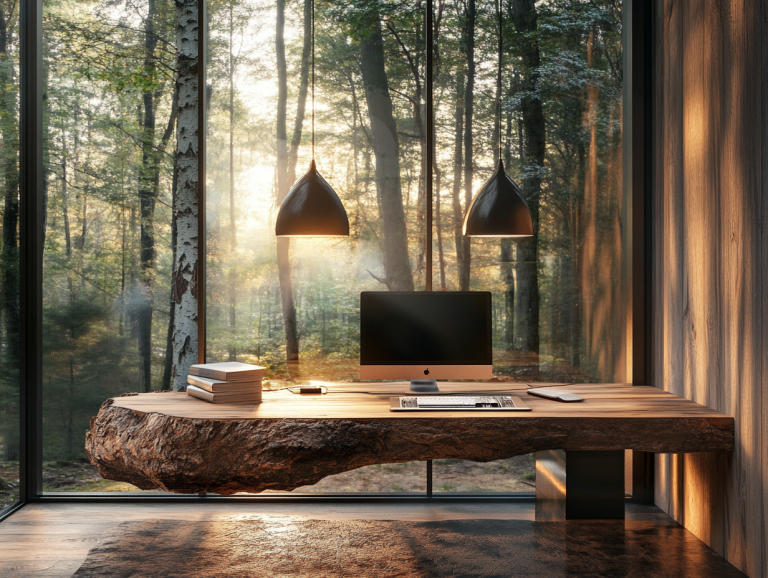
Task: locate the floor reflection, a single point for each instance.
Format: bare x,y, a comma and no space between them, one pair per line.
258,545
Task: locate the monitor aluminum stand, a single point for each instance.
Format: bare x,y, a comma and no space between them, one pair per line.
424,386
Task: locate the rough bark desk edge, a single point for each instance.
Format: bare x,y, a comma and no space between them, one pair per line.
191,455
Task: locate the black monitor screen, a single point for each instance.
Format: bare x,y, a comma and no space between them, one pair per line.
447,328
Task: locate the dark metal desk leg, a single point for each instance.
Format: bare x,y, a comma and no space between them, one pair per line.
579,485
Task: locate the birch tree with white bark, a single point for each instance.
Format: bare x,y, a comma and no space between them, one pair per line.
185,211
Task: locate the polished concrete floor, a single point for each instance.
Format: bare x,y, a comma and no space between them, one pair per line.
44,540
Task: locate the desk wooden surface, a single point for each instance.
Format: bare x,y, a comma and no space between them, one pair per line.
180,444
344,402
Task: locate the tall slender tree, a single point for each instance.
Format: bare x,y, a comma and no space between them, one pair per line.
468,38
413,57
458,167
506,246
152,150
386,147
528,300
437,71
185,212
9,130
286,164
232,284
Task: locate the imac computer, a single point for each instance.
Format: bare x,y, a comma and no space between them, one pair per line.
425,336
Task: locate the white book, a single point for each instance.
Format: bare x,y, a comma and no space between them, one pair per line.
237,397
228,371
218,386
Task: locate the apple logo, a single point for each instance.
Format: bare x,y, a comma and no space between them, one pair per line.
426,371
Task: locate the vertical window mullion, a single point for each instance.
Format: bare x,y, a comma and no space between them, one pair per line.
31,209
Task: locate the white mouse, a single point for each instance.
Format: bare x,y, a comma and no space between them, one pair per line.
555,394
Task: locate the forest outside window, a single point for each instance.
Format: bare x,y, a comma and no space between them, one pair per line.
10,351
121,179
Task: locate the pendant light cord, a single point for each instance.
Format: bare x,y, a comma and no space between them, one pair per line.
313,80
498,72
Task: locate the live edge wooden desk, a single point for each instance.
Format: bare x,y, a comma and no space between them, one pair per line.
180,444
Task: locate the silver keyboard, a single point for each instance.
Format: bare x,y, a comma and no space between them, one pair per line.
457,402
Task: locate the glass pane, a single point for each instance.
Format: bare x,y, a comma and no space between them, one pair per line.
409,477
9,257
111,74
517,474
558,299
293,305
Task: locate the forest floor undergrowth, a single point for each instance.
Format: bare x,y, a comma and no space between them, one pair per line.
9,483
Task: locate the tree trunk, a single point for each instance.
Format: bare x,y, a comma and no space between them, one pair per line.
497,128
168,361
397,269
232,289
533,124
469,108
458,163
439,225
185,211
438,171
301,106
146,188
588,254
10,250
414,64
506,262
507,247
283,186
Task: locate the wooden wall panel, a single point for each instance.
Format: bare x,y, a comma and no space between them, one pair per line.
711,261
674,281
742,340
762,315
669,281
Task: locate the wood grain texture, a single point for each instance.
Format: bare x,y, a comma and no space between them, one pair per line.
742,332
669,280
702,133
762,19
179,444
711,264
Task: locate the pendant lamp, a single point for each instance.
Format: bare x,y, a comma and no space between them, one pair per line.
499,208
312,208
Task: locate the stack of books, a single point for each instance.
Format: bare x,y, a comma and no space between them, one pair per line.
225,382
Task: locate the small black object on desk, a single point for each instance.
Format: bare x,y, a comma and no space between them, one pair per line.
311,389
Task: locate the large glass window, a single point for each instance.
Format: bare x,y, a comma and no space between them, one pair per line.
9,255
121,170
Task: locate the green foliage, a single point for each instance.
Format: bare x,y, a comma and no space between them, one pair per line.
86,362
98,70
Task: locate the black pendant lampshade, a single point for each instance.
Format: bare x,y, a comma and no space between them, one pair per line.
498,209
312,209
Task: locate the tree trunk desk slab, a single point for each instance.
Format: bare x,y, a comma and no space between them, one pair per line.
177,443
